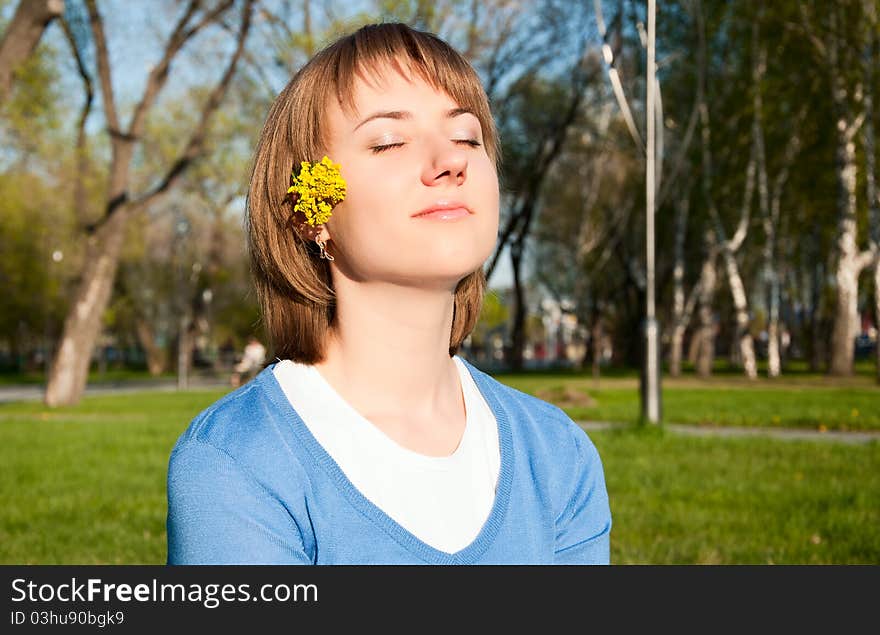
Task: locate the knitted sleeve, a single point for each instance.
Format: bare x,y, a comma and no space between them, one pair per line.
218,513
583,528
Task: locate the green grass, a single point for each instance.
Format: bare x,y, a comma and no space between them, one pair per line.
86,485
686,500
808,402
11,378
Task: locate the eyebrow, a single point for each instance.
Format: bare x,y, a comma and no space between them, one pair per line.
405,114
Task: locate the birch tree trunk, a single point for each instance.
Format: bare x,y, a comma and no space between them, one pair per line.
770,220
815,274
741,309
871,193
850,261
704,355
678,330
877,318
728,249
683,307
678,309
759,54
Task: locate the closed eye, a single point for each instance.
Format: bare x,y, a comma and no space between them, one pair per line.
377,149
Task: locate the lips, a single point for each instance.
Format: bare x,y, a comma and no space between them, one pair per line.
444,210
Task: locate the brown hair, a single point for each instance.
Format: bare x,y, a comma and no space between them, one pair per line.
293,283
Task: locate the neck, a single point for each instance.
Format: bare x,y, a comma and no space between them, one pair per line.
390,349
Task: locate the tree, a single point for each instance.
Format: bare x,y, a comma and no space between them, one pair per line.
838,33
69,369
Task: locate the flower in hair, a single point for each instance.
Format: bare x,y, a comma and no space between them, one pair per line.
317,189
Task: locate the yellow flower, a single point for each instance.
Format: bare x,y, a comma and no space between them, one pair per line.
318,189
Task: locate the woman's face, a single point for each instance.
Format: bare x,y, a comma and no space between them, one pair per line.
404,150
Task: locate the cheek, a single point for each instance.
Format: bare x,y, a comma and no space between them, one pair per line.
360,223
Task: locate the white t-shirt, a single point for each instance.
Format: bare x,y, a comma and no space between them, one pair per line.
444,501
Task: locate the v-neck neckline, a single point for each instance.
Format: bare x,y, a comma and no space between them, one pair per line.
399,451
267,381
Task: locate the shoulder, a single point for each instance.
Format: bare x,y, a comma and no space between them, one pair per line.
542,428
242,425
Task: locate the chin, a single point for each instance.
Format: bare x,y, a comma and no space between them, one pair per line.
455,262
439,272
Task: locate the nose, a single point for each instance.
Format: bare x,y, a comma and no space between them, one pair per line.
447,164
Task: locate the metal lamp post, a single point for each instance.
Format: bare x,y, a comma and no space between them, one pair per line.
181,230
651,383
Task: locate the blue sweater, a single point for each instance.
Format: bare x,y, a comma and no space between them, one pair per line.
249,484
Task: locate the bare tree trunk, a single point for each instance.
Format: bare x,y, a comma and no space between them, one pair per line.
69,371
675,347
678,331
186,344
846,307
816,275
681,214
743,343
728,248
518,331
877,318
157,358
770,221
871,192
702,353
740,302
683,307
22,35
70,368
850,261
596,347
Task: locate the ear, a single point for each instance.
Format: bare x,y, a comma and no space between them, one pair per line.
309,232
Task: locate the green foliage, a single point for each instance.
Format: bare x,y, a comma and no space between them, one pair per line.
32,227
493,315
32,115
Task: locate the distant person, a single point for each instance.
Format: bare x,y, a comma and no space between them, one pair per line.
251,362
370,440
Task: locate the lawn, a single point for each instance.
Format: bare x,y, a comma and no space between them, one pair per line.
87,485
807,402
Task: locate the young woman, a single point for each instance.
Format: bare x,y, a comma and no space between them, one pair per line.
369,440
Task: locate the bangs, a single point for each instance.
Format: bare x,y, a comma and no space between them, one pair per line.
375,50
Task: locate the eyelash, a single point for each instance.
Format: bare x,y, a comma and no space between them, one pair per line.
377,149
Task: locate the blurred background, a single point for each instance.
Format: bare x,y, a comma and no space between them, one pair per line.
126,132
